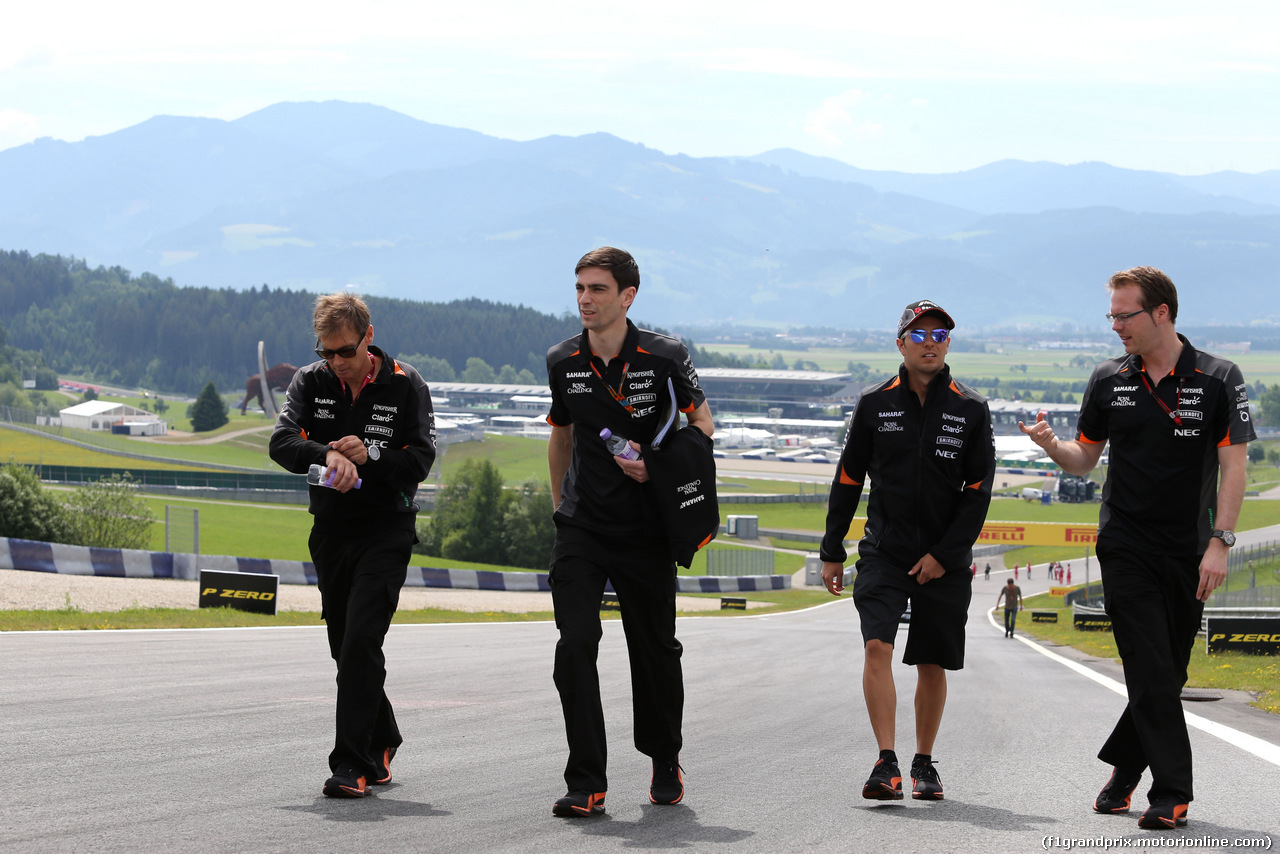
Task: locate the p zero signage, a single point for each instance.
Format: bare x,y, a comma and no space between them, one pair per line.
244,591
1254,635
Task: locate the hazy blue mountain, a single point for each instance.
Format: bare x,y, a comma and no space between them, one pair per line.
1016,186
319,195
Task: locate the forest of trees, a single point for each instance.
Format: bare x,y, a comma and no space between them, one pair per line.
121,329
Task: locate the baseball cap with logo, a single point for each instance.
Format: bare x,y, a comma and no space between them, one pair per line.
920,308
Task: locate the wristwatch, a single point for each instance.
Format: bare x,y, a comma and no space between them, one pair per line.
374,453
1227,537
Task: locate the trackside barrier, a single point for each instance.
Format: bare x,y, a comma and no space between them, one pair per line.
34,556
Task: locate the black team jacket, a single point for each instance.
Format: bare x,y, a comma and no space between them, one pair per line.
932,469
394,412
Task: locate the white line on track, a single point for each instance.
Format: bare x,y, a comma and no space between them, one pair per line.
1257,746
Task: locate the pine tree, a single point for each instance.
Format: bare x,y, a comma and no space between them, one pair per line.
209,412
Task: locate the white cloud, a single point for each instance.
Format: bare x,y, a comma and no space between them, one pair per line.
17,127
838,120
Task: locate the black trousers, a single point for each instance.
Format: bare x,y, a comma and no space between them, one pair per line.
646,588
360,579
1155,615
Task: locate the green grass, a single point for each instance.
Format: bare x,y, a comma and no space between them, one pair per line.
1259,366
1257,674
517,457
72,619
21,447
248,451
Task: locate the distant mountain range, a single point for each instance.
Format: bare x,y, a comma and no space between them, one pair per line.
318,195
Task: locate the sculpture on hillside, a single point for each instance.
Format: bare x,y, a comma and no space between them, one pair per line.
278,379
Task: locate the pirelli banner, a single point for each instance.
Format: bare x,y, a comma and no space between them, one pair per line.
1254,635
1018,533
244,591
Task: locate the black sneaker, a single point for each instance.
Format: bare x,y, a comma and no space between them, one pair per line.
579,804
885,782
1115,796
667,785
346,782
925,785
1164,814
383,775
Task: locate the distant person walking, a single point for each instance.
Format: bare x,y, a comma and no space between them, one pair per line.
1012,596
925,442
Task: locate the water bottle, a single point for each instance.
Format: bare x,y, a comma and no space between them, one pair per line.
618,446
315,477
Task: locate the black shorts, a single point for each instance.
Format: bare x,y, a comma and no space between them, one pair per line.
939,611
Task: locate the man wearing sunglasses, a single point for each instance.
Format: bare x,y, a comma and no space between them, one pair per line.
1175,418
925,442
368,420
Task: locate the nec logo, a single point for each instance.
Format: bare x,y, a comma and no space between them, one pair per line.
946,455
1182,431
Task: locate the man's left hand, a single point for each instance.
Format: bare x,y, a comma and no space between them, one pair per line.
353,448
927,569
634,469
1213,569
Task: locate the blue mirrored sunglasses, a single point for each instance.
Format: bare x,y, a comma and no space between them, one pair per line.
938,335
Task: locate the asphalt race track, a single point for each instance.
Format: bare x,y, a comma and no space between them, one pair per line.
217,741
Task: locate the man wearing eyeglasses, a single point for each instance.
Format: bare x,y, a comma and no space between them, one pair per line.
925,442
368,420
1175,417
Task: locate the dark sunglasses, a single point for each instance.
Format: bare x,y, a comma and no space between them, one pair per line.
918,335
344,352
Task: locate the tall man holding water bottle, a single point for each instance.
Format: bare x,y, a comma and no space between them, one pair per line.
614,376
367,420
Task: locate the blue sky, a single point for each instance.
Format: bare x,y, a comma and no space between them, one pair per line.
915,86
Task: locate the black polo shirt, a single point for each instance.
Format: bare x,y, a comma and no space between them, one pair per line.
595,493
1162,481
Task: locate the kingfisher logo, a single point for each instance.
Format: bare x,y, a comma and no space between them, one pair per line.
1002,534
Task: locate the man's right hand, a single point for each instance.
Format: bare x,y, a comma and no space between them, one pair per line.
1040,432
833,576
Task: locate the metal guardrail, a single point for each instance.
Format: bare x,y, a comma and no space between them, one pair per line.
735,562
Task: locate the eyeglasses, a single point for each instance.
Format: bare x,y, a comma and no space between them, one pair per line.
344,352
918,335
1124,318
